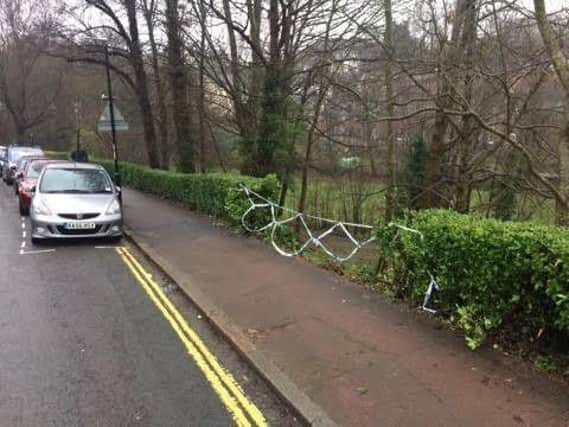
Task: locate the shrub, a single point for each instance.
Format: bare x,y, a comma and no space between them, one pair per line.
494,276
216,194
57,155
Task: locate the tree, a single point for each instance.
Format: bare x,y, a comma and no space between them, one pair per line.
179,88
561,65
85,39
29,81
415,172
390,197
150,12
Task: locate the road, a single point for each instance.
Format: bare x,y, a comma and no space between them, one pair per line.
93,336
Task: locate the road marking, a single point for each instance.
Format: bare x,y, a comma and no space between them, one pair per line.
23,225
23,245
23,234
221,381
109,247
43,251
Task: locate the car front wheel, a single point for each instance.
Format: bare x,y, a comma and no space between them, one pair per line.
23,210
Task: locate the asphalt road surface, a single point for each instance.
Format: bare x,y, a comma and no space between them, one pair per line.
93,336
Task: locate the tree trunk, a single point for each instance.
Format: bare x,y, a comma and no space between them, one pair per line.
433,165
559,62
160,94
308,151
246,113
390,198
179,89
561,211
201,102
469,132
142,94
447,80
20,135
273,108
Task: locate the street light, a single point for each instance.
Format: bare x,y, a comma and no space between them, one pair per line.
112,114
110,99
77,110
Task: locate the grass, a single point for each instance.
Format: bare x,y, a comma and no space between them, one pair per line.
341,198
363,201
528,208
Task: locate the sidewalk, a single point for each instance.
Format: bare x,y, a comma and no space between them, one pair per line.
363,360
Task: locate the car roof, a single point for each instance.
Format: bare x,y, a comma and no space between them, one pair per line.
47,160
23,159
33,157
74,165
24,148
43,160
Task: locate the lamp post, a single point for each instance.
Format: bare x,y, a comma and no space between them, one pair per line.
77,110
112,116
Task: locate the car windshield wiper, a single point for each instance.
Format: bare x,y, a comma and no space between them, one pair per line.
68,191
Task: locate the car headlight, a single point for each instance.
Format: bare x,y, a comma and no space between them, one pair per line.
40,208
114,208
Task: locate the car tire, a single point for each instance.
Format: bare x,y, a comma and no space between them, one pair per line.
23,211
115,239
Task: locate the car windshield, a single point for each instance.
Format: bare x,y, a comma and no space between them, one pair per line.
16,154
81,181
22,163
34,169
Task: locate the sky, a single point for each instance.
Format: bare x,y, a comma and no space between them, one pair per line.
550,5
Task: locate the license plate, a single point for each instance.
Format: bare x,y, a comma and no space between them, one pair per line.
80,226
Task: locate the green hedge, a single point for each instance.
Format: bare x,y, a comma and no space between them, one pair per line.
57,155
495,277
216,194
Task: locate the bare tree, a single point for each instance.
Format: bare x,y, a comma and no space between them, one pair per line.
85,40
561,66
390,197
29,81
151,12
179,88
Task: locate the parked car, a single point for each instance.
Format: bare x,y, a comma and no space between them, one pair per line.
3,151
29,180
21,170
74,200
14,153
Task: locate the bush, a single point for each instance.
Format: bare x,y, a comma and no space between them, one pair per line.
494,276
56,155
216,194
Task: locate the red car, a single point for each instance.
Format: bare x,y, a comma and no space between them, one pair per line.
21,166
28,180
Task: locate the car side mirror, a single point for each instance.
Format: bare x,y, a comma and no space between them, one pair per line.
32,189
118,189
20,175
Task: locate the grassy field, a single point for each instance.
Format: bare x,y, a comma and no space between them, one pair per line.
341,199
528,208
363,202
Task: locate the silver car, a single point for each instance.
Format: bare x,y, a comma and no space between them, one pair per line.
75,200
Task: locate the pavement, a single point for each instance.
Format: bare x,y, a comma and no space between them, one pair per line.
336,347
83,343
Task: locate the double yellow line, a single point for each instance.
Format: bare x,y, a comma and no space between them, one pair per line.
243,411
